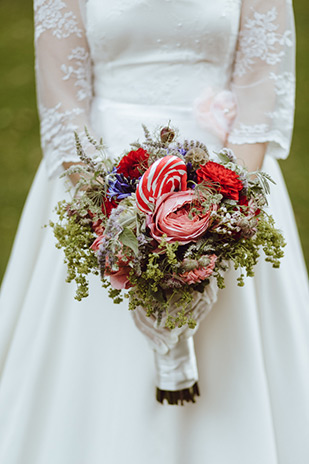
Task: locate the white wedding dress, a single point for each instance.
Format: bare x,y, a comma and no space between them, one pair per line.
78,380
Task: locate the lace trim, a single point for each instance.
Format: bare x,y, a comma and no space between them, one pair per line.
285,88
80,71
55,168
284,84
245,130
49,16
259,40
57,133
57,136
260,133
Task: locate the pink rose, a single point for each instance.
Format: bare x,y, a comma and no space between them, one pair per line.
198,275
216,111
119,279
96,244
97,227
171,217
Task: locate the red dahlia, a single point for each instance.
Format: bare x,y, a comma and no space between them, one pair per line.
227,182
243,201
134,163
108,205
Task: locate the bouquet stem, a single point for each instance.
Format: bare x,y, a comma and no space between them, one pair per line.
180,396
177,374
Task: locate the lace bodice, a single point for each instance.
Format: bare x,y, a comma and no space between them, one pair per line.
164,52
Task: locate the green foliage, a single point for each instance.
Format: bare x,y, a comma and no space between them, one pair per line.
20,143
128,239
163,274
75,236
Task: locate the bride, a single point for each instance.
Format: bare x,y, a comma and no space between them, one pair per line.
77,384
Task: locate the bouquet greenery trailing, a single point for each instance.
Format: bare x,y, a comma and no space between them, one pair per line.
162,220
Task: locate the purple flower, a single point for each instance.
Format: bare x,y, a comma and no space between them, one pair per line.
121,186
182,151
229,153
101,256
141,240
173,149
191,176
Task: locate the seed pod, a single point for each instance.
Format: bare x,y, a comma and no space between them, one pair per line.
167,135
197,156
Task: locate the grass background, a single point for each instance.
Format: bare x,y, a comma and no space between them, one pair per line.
20,146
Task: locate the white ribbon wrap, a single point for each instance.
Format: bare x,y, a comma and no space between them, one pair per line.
175,360
177,369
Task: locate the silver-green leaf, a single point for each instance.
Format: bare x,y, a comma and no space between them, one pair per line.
128,239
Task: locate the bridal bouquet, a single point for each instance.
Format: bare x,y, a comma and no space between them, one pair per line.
163,222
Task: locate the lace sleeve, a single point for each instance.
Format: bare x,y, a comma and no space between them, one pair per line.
264,76
63,72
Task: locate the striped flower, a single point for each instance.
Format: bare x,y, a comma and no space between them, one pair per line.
163,176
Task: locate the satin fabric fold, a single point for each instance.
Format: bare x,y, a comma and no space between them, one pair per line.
177,369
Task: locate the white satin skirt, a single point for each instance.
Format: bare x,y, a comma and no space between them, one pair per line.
78,379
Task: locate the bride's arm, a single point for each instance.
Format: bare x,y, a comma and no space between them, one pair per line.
63,75
264,82
250,155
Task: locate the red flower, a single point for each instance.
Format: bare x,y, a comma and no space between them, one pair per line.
250,210
198,275
243,201
96,244
133,163
164,175
108,205
227,182
96,225
119,279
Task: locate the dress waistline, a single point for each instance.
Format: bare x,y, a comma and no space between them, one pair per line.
142,109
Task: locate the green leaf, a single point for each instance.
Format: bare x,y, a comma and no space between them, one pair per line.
158,295
128,239
229,201
223,157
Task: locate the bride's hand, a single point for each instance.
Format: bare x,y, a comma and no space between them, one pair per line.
249,155
162,339
75,177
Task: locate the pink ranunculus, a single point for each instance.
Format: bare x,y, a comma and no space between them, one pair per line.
96,244
119,279
171,217
216,111
97,227
198,275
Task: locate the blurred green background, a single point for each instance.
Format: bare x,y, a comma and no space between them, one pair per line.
20,146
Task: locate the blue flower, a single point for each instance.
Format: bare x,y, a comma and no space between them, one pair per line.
121,187
182,151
